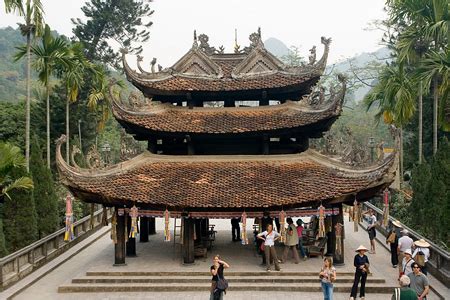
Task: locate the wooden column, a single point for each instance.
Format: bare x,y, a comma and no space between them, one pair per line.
151,226
143,234
119,247
338,258
131,244
264,99
265,145
229,103
190,102
188,241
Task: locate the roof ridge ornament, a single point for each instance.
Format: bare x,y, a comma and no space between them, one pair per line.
195,43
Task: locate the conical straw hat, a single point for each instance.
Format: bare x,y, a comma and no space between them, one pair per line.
361,247
397,224
422,243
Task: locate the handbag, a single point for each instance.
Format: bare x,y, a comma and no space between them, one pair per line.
222,284
391,238
262,247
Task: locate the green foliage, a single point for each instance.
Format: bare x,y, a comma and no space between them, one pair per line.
3,251
430,206
46,201
19,217
124,21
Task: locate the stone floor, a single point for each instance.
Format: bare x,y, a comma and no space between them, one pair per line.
158,255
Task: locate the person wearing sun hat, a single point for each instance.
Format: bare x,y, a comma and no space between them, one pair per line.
406,263
392,239
421,254
361,263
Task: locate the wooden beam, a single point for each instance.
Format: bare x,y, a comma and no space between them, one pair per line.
119,247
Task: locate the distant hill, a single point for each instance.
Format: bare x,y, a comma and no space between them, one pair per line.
276,47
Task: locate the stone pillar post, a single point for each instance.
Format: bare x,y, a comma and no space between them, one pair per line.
188,241
119,247
143,234
338,242
151,226
131,244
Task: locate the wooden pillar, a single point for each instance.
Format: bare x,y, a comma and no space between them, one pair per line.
265,145
188,241
190,102
338,258
131,244
330,237
190,145
229,103
119,247
143,234
264,99
151,226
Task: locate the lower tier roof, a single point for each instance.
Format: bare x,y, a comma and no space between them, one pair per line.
221,183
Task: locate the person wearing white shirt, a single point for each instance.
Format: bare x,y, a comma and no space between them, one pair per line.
406,263
422,254
404,243
269,237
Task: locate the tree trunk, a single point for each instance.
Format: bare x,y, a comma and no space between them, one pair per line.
48,121
67,129
28,104
401,156
435,114
420,123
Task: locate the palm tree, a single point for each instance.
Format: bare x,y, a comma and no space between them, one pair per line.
34,22
394,95
52,51
10,158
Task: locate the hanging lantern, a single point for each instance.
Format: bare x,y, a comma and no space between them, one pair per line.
114,227
355,215
244,239
166,226
68,236
386,195
282,232
339,227
321,221
133,216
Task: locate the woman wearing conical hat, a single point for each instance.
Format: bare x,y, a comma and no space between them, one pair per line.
421,254
392,239
361,263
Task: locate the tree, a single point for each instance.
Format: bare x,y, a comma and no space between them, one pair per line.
34,21
123,21
11,160
3,251
19,217
46,201
47,56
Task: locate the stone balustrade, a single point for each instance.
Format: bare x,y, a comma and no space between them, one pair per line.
19,264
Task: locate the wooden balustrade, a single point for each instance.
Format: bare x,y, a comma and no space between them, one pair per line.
19,264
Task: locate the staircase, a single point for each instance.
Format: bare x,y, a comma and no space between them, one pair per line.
102,282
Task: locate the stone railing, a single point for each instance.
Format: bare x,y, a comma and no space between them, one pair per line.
439,262
19,264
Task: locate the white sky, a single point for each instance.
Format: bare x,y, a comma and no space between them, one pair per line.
295,22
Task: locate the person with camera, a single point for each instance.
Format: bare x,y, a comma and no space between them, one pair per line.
217,281
327,276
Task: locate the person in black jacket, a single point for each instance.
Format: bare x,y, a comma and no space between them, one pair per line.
361,263
392,240
235,230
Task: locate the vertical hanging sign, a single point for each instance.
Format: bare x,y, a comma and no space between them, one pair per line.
355,215
166,226
68,236
133,216
321,221
386,195
282,217
244,239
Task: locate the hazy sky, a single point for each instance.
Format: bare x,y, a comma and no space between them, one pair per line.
295,22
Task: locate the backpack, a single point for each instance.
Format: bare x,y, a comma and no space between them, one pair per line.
420,258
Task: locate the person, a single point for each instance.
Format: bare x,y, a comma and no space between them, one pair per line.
216,272
300,238
405,242
371,229
392,240
406,263
327,276
269,237
404,292
421,254
235,230
361,263
291,241
419,282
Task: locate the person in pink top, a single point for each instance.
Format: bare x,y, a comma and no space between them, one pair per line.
300,238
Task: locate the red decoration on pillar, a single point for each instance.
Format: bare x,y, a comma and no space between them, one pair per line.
321,221
386,196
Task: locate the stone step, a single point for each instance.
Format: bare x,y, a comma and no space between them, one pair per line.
380,288
227,273
200,279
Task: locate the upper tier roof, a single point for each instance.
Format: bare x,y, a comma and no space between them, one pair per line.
224,183
166,118
204,71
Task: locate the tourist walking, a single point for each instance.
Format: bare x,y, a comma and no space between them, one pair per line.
392,239
421,254
405,242
361,263
371,229
291,241
327,276
235,229
269,237
300,238
406,263
419,282
404,292
217,274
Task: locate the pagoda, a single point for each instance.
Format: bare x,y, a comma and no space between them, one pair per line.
227,133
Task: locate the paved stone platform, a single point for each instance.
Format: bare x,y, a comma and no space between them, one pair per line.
160,256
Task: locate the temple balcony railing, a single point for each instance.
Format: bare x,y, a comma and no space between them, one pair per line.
439,262
19,264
